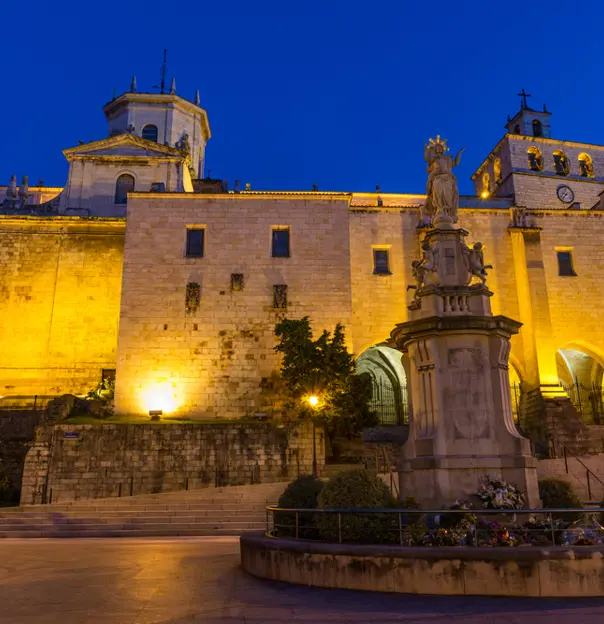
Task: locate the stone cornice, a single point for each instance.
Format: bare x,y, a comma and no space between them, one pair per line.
122,139
245,195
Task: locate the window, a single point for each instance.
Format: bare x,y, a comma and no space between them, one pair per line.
195,242
497,170
280,243
535,160
586,166
537,128
486,184
560,163
565,263
517,129
280,296
123,186
381,265
150,133
192,296
236,282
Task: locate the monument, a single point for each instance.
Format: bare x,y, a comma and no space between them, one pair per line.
462,427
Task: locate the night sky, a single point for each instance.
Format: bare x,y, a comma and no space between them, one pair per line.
339,94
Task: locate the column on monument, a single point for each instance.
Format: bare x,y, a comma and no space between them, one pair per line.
533,304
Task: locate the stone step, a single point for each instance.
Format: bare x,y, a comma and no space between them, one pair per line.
151,526
136,519
102,532
133,505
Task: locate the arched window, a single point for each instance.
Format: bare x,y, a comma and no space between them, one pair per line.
561,163
537,128
586,165
517,129
497,170
535,160
486,184
150,133
123,186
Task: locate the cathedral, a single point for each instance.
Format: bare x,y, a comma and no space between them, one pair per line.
143,270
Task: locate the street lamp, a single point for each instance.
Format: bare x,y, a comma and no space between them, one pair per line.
313,401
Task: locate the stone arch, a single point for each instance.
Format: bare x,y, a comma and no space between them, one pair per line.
581,372
535,159
561,164
389,383
586,165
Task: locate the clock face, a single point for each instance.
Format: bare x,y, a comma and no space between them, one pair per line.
565,194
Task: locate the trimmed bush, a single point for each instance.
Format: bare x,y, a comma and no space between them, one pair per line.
357,489
557,493
299,494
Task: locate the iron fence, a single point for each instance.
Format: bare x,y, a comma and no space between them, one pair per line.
440,527
390,402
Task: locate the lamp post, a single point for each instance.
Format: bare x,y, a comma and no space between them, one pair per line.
313,401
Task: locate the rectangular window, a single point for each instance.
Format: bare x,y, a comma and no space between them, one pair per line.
381,263
280,243
195,242
565,263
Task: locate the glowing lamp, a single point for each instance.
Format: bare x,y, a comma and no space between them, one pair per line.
484,194
313,400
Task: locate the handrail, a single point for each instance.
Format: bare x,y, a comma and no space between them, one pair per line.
411,510
588,470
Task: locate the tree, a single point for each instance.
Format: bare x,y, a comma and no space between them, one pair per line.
323,368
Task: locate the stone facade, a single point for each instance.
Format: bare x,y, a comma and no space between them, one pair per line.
60,282
208,362
72,462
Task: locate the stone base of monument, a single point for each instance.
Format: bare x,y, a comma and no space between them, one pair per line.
538,572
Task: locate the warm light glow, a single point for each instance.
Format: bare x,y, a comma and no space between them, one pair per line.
484,194
160,396
313,400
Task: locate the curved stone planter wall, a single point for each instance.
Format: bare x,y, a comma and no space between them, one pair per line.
531,571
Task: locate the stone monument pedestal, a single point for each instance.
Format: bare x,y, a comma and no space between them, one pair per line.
462,428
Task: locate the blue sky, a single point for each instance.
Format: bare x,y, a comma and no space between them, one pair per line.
338,94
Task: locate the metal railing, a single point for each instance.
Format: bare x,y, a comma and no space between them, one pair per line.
439,527
589,473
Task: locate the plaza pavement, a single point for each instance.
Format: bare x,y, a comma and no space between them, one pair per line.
198,580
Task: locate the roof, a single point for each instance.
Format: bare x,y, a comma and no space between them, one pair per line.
123,139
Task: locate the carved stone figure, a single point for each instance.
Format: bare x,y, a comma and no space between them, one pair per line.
476,265
442,200
521,218
183,145
11,189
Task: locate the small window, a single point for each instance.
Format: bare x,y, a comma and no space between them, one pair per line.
381,264
561,163
192,296
123,186
150,133
280,243
586,166
107,374
517,129
537,128
565,263
195,242
535,160
497,170
486,184
280,296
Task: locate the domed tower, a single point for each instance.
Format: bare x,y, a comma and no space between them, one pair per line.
164,118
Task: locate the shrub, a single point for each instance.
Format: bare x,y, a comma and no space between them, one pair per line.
6,490
301,494
556,493
357,489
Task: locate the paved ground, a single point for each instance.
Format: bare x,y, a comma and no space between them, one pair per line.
198,580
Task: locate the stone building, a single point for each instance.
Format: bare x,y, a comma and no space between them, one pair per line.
144,267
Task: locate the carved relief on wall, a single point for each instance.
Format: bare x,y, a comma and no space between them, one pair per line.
192,296
465,392
236,282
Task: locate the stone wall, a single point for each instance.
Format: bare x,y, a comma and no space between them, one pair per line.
60,283
17,433
73,462
208,362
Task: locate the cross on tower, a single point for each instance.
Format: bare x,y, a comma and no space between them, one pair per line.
524,95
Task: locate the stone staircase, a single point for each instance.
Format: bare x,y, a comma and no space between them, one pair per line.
209,511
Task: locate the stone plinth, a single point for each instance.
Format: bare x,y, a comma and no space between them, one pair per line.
462,427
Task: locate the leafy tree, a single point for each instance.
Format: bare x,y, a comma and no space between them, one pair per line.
323,368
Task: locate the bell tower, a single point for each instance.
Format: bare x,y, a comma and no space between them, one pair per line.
528,121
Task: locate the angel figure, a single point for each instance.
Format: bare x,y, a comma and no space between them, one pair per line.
442,201
476,261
